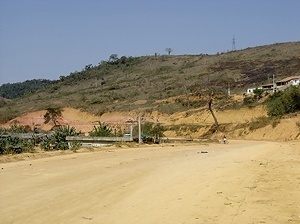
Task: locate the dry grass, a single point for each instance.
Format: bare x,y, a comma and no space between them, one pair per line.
156,78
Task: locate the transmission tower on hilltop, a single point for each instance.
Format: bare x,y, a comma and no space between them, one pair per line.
233,44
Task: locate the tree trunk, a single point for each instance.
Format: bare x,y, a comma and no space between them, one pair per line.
212,112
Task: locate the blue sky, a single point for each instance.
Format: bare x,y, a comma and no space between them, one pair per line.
50,38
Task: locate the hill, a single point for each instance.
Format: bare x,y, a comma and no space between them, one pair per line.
161,85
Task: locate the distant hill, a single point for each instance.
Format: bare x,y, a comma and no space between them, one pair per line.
16,90
166,83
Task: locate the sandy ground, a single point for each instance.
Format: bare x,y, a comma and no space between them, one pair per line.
242,182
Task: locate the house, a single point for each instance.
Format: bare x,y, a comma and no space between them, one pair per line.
288,81
250,91
269,88
278,86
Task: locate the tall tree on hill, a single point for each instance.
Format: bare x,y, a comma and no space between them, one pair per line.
169,50
53,114
113,58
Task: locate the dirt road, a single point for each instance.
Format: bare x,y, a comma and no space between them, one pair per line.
242,182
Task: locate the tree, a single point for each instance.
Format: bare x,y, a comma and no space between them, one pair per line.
169,50
284,102
89,66
53,114
113,58
211,111
258,93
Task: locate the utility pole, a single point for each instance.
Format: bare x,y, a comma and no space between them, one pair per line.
140,134
131,130
274,84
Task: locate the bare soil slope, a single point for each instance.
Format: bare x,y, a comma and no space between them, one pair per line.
242,182
287,129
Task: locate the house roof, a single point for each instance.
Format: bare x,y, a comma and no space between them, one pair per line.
289,78
267,85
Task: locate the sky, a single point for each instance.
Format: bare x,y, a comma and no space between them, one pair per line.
46,39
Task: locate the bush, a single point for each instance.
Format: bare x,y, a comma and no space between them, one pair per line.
260,122
14,145
258,93
58,141
102,130
284,102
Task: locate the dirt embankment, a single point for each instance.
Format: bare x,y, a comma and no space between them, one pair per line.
233,121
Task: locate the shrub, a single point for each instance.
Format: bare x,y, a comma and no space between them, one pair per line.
258,93
284,102
260,122
102,130
14,145
19,128
151,129
248,100
58,141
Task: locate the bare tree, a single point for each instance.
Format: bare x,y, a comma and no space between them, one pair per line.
211,110
169,50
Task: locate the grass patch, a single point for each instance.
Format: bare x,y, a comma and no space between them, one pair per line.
262,122
182,129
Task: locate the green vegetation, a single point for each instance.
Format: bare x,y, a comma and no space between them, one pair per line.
184,128
53,114
102,130
285,102
57,141
153,130
168,83
14,145
259,122
16,90
258,94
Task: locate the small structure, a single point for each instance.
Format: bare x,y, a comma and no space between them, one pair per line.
277,86
269,88
250,91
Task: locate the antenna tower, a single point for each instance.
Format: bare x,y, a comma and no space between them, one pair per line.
233,44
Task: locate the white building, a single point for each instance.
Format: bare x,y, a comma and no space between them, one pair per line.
289,81
250,90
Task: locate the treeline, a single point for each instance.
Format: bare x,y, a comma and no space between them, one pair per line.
16,90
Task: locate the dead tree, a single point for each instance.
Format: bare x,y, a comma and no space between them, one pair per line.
169,50
211,110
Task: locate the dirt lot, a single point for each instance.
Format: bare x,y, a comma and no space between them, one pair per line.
242,182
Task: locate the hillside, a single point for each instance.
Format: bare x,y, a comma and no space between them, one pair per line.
161,86
117,84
